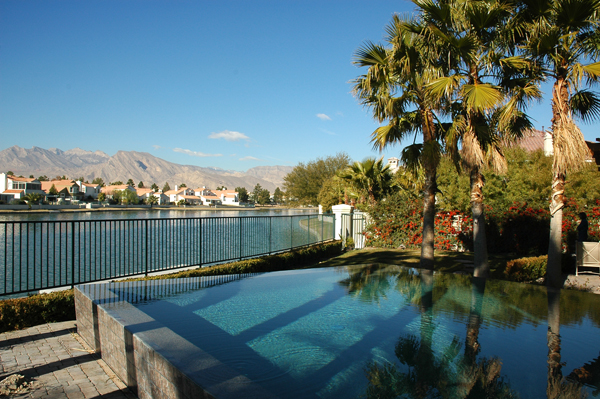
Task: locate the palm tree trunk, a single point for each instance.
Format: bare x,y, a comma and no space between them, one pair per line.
472,346
553,268
481,265
430,189
553,388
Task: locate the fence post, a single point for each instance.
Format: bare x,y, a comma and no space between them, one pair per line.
270,231
147,254
72,254
240,218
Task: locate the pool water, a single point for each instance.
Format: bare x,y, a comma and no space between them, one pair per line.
387,331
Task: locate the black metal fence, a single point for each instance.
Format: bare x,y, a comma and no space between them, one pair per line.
40,255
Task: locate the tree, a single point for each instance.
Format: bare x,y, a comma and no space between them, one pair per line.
32,198
141,184
182,185
487,89
101,197
256,193
303,183
116,183
372,178
166,187
81,179
264,197
53,190
125,197
222,188
99,181
277,196
43,178
242,194
130,183
332,192
154,187
395,89
152,200
563,35
31,177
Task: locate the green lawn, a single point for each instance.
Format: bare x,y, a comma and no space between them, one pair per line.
445,261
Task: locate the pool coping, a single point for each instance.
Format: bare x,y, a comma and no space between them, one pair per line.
152,360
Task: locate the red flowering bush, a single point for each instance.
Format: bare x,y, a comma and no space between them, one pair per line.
521,229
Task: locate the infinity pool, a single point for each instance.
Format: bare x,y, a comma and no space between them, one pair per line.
362,331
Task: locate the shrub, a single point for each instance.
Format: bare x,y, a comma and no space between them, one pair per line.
19,313
526,269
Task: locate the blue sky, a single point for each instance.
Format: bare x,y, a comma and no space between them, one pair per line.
229,84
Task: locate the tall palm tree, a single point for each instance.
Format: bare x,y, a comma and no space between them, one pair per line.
563,35
370,176
394,88
486,88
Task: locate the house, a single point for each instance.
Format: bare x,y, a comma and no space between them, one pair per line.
66,189
108,190
228,197
144,193
207,196
394,164
13,187
177,194
89,189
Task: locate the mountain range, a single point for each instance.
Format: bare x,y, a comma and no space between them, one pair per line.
138,166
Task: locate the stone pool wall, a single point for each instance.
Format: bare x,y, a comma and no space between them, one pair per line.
130,354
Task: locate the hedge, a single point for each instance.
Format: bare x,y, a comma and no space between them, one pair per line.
19,313
526,269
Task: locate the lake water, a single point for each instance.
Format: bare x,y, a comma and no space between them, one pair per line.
188,212
39,251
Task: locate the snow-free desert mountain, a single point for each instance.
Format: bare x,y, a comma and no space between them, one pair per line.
139,166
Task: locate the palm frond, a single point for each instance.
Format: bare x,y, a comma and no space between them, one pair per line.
586,105
482,97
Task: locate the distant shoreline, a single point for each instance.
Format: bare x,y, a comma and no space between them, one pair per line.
154,208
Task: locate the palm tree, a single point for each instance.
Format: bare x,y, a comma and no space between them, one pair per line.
371,177
394,88
563,35
486,89
32,198
152,200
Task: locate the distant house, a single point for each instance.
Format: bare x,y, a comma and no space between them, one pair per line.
207,196
89,189
66,189
109,190
144,193
228,197
178,194
12,187
394,164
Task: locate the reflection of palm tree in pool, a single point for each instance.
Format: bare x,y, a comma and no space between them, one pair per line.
369,283
557,386
444,375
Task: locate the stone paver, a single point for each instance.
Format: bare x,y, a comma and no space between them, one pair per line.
58,364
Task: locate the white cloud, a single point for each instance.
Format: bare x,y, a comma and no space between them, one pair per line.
323,117
229,136
249,158
328,132
195,153
156,147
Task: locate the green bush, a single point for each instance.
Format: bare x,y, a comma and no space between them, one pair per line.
19,313
526,269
